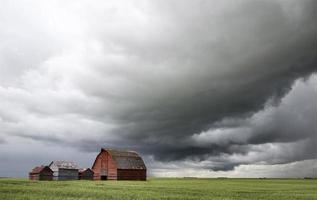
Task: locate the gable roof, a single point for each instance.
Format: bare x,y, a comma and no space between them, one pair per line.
126,159
84,170
39,169
62,164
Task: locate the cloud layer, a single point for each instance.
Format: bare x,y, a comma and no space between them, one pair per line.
202,82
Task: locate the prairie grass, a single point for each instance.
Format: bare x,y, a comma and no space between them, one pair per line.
160,188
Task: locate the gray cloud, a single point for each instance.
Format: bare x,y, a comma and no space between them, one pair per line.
204,81
217,80
278,134
2,141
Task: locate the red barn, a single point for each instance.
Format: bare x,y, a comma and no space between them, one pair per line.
41,173
119,165
85,174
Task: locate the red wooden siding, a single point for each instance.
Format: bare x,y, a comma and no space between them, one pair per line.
132,174
85,174
104,166
41,173
118,165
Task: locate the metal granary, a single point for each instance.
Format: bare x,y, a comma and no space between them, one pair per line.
113,164
64,170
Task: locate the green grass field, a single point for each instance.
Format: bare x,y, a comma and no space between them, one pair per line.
160,188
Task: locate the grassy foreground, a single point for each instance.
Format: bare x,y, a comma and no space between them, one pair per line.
160,188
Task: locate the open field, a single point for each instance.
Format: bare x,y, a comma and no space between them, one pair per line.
160,188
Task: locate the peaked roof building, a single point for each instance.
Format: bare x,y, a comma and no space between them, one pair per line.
41,173
119,165
64,170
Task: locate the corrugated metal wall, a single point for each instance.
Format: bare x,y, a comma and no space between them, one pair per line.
65,174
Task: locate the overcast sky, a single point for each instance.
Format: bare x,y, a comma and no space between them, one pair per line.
197,87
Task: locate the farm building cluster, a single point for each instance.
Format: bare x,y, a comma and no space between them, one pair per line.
109,164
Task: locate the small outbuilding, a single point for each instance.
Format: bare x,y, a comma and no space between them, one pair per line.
64,170
113,164
86,174
41,173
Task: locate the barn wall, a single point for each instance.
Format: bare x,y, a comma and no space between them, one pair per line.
104,166
55,172
132,174
96,168
55,175
34,177
112,168
67,174
45,175
86,175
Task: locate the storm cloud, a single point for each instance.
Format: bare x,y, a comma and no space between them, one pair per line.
199,84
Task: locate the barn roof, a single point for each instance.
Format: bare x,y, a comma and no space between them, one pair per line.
39,169
84,169
62,164
126,159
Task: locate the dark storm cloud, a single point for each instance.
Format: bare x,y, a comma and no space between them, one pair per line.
256,56
276,135
186,81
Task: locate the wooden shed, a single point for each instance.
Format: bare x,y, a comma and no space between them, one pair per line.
64,170
86,174
113,164
41,173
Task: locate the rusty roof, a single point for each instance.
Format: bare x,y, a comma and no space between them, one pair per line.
62,164
39,169
125,159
